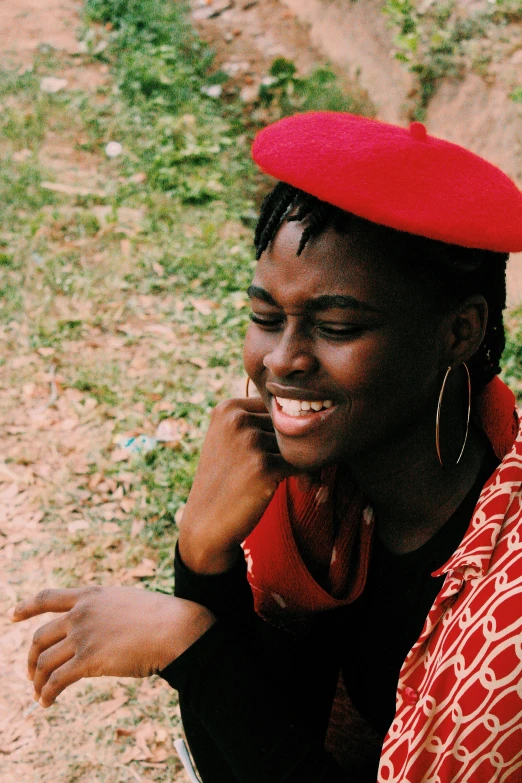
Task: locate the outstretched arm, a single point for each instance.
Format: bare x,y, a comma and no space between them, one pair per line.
118,631
125,631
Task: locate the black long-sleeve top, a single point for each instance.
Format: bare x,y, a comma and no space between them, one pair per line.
264,694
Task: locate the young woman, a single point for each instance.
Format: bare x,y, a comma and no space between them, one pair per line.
349,568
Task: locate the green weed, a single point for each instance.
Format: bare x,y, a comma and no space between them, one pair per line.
320,91
96,388
512,357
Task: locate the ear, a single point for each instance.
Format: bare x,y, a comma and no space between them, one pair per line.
468,323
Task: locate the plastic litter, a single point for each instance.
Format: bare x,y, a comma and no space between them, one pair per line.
181,747
141,444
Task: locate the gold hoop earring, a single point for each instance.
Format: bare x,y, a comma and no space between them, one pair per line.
439,406
247,387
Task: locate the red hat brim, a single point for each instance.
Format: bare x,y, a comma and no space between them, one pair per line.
396,177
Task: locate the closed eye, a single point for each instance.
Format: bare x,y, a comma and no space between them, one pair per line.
340,330
266,323
329,331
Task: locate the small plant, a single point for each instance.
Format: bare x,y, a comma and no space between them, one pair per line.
158,56
512,356
287,93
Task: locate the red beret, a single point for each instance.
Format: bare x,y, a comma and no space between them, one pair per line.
397,177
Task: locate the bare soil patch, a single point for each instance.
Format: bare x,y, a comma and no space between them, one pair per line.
26,25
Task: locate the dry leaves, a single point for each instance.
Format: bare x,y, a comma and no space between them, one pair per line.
145,569
52,84
110,707
203,306
72,190
199,362
152,743
171,430
78,524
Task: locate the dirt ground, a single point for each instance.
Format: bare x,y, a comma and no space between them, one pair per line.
27,24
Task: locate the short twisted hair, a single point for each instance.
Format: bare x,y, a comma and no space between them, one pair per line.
457,271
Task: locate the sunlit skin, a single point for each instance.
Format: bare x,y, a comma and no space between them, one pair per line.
338,323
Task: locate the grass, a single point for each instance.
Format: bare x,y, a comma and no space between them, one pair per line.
512,357
289,93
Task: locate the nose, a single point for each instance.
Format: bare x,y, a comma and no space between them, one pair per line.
292,354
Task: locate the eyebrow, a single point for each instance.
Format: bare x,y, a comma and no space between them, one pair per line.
324,302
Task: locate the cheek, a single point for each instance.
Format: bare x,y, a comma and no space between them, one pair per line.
360,368
391,382
254,351
376,371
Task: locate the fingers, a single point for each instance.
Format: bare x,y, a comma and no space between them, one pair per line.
49,662
69,672
45,637
258,415
252,404
46,601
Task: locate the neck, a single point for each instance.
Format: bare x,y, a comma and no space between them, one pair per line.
411,494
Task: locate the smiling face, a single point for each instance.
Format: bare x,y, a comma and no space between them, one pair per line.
341,325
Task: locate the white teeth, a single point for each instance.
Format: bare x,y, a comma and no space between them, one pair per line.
302,407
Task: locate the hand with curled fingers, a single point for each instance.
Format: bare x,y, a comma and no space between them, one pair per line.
239,470
115,631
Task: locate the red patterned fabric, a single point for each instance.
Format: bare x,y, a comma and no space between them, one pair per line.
459,696
397,177
459,699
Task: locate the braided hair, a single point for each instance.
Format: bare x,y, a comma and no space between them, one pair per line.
457,271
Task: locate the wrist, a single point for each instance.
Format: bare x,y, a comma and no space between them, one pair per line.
188,624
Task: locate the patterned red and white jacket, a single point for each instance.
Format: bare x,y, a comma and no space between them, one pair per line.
459,697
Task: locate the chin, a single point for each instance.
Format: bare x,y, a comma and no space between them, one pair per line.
303,458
